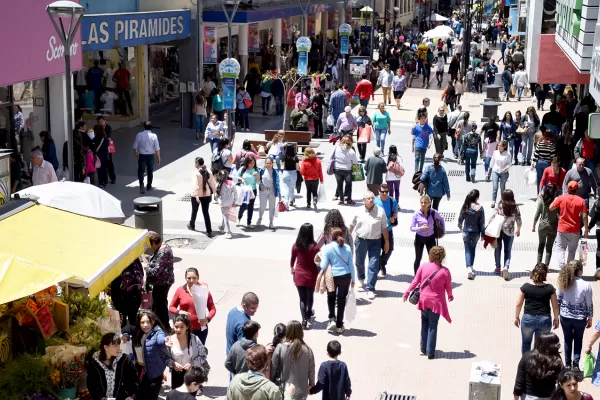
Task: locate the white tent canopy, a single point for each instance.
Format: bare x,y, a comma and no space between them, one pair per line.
438,18
439,32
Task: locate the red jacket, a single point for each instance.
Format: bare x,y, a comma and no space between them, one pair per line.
364,88
311,170
182,300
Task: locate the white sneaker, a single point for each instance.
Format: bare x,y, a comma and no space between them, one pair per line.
340,330
221,228
271,226
331,325
370,295
247,129
470,273
381,275
228,235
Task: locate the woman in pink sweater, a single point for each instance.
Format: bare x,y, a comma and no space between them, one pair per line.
434,279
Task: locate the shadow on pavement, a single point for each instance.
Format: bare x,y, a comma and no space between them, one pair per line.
384,294
454,355
362,302
356,332
212,392
128,194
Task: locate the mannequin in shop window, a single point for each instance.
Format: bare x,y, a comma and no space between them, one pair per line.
122,78
95,75
27,142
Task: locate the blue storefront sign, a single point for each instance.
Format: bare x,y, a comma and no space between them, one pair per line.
228,93
109,31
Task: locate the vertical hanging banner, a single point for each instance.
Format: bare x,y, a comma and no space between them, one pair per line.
311,24
345,31
331,19
303,46
210,45
253,39
229,69
286,30
365,33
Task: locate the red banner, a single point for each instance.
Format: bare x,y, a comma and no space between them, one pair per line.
311,24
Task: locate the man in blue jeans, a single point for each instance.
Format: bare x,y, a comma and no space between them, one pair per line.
370,225
390,207
145,147
421,133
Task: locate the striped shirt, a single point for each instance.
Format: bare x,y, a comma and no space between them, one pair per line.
544,150
576,302
337,102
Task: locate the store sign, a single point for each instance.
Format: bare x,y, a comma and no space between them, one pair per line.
345,32
595,70
110,31
32,54
253,39
303,46
229,70
575,25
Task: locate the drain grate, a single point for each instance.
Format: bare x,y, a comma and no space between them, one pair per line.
386,396
188,242
448,216
456,172
186,197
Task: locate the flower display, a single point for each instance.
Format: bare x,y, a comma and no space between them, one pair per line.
66,363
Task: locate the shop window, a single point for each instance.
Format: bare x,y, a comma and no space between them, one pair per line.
31,97
549,17
163,63
108,83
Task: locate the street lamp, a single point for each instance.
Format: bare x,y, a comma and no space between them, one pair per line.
230,7
59,10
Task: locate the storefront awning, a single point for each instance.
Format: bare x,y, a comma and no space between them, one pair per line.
551,54
42,246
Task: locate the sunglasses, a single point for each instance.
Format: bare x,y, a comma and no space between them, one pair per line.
384,191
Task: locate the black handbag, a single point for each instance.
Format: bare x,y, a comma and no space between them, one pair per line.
438,228
415,294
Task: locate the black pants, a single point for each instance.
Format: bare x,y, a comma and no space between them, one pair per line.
342,287
458,96
111,169
362,150
204,202
318,128
102,173
145,164
420,242
342,176
160,304
149,388
176,378
479,79
128,305
384,258
302,129
125,92
249,207
202,334
436,202
312,188
306,294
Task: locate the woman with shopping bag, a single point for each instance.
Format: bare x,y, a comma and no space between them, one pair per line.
312,172
337,255
508,209
365,132
428,290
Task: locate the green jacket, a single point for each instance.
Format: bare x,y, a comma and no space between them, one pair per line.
252,386
300,119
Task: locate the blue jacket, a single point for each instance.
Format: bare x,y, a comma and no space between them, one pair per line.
156,354
275,180
438,185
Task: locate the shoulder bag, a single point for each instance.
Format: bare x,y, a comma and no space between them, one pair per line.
416,294
331,167
438,228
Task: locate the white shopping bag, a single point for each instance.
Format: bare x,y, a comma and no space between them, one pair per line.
322,195
200,296
350,312
494,228
530,177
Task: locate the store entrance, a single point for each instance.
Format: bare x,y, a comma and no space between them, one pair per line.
163,64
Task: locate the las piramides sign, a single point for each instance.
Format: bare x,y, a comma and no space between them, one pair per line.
109,31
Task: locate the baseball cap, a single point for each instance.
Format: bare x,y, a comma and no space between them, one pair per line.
573,185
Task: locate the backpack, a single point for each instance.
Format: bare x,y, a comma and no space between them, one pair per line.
132,277
329,72
241,160
217,163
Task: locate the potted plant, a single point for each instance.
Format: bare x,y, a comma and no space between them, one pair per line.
66,365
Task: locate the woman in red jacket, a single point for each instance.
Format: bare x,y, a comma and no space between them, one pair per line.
183,303
305,271
311,171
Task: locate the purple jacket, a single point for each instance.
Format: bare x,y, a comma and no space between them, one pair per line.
419,220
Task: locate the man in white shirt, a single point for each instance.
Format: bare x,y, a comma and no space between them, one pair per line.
43,171
208,87
146,147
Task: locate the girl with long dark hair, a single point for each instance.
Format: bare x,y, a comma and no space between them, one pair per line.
531,121
508,132
249,177
512,215
186,351
278,338
49,149
548,222
334,219
538,369
394,174
227,197
151,354
203,186
111,373
576,310
305,271
471,221
293,362
291,166
101,143
568,387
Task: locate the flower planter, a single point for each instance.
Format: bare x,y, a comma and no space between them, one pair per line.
70,393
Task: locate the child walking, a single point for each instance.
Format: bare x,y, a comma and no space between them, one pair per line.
334,379
227,195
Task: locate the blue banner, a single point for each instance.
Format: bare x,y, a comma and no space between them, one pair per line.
228,93
110,31
344,43
302,63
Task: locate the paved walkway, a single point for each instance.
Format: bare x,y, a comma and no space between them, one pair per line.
381,346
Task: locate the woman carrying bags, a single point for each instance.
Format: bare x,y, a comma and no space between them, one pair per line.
508,209
203,186
312,172
548,222
304,270
365,132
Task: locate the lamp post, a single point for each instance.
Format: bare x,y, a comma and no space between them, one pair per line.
73,11
230,7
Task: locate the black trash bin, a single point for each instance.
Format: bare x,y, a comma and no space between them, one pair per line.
148,214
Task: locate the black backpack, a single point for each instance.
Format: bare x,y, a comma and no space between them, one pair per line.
329,72
217,162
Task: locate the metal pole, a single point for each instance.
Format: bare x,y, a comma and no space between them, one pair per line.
69,89
466,38
200,43
372,29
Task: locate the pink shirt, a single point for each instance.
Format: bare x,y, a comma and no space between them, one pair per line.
432,295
